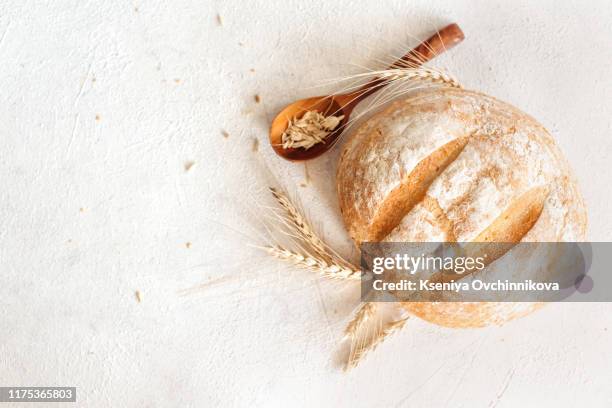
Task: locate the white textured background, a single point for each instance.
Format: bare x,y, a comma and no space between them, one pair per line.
103,102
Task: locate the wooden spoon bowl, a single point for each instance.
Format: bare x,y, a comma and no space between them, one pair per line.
326,106
343,104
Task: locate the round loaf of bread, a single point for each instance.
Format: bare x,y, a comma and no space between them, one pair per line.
455,165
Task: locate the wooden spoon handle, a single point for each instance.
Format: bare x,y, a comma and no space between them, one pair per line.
441,41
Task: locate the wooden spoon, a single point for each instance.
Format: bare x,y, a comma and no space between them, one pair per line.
344,104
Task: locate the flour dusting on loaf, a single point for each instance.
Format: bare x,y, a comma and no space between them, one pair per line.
457,165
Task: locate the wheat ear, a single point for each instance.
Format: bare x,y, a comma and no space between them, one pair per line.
423,73
300,224
365,312
327,269
363,347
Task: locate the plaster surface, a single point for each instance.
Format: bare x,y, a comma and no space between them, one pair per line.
104,105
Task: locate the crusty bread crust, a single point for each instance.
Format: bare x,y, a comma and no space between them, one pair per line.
457,165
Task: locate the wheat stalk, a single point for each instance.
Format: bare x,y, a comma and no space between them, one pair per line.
395,82
323,260
327,269
390,75
327,258
370,344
